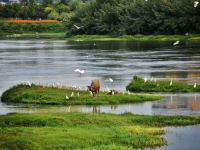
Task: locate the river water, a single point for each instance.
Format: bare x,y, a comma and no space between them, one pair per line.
54,61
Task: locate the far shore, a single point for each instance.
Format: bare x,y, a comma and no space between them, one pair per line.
96,38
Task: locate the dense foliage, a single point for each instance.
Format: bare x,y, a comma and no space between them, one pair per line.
114,17
138,84
120,17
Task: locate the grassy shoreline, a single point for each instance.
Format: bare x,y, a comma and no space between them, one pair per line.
86,131
96,38
138,84
141,38
36,94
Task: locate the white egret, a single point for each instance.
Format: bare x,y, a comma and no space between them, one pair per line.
91,93
195,85
77,27
171,83
78,94
66,96
72,94
176,43
196,3
128,92
79,71
145,79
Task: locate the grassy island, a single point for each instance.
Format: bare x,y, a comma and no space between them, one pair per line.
36,94
138,84
85,131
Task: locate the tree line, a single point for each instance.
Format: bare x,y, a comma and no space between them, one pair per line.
128,17
115,17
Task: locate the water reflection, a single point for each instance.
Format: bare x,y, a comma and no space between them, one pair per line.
184,138
173,104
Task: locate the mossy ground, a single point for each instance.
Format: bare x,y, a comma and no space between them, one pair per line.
36,94
85,131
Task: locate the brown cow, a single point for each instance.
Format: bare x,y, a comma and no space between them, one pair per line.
94,87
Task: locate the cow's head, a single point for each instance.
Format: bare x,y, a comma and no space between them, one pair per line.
91,88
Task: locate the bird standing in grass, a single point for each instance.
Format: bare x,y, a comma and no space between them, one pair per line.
78,94
195,85
171,83
66,96
72,94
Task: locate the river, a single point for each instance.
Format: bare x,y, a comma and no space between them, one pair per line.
54,61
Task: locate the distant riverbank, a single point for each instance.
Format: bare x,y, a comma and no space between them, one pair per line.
79,38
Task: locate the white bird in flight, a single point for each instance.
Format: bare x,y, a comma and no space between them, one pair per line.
77,27
109,80
196,3
176,43
80,71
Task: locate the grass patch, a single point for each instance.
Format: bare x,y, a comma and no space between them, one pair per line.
35,35
36,94
190,37
139,85
85,131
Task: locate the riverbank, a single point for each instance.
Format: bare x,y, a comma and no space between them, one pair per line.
96,38
190,37
36,94
35,35
85,131
139,84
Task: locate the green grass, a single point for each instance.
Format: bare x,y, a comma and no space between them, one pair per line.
31,35
85,131
36,94
190,37
62,35
139,85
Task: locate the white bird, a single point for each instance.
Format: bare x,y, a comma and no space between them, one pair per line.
107,89
78,94
146,0
196,3
28,83
171,83
195,85
79,71
91,93
66,97
109,80
77,27
176,43
72,94
145,79
128,92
